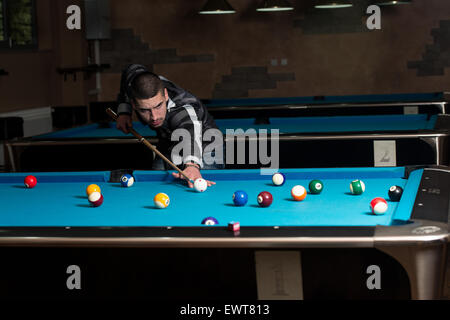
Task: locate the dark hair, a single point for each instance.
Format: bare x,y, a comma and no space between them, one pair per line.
146,85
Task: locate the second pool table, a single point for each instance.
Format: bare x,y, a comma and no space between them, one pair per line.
341,141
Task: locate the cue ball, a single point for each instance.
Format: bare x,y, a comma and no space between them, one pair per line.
30,181
264,199
378,206
395,193
278,179
200,185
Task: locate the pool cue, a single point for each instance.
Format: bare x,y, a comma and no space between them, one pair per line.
113,115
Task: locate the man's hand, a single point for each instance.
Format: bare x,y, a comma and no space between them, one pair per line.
124,123
193,173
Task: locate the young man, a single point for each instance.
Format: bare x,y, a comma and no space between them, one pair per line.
166,107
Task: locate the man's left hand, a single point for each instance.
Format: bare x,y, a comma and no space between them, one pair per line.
192,173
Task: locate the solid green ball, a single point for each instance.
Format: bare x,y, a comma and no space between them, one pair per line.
315,186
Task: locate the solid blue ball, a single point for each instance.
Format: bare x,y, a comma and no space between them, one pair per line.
240,198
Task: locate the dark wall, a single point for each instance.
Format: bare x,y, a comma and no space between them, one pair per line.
33,80
304,52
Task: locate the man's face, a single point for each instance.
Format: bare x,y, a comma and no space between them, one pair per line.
153,110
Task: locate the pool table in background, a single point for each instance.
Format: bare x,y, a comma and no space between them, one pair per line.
129,248
346,105
312,106
325,141
102,145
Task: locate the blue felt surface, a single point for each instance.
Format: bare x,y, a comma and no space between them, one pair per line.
56,203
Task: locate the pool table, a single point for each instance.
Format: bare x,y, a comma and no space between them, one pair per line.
340,141
54,223
427,102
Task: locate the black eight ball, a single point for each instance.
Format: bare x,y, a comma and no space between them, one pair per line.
395,193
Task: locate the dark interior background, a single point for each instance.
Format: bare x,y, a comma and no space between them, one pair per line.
305,52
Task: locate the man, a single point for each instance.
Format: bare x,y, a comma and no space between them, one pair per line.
166,107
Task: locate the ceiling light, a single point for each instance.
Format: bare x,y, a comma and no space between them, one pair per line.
217,7
275,5
332,4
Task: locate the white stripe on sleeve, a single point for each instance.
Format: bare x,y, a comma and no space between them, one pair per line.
197,157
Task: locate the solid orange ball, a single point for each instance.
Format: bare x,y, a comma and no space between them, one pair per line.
92,188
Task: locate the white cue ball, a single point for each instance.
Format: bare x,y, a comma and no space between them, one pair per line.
200,185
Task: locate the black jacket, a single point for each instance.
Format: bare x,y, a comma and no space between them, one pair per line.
184,110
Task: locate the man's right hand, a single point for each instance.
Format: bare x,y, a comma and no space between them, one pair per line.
124,123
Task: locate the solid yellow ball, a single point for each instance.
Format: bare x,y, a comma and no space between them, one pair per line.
92,188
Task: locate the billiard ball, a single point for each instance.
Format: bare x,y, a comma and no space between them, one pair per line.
200,185
240,198
161,200
127,180
264,199
278,179
298,192
357,187
30,181
210,221
315,186
395,193
378,206
96,199
92,188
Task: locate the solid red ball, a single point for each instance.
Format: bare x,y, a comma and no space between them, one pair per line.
30,181
265,199
96,199
99,202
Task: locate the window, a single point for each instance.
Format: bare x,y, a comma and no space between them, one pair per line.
17,24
